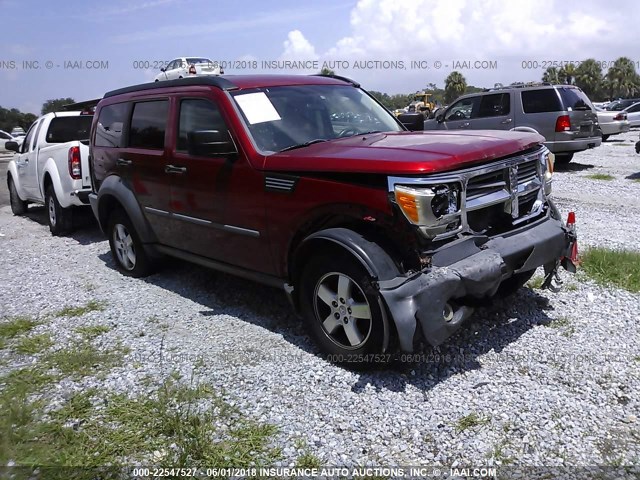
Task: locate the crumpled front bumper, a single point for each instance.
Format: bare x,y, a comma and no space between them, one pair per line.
424,298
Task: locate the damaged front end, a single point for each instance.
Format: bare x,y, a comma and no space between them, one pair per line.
493,222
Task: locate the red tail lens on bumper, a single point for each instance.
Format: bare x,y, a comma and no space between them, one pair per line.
75,170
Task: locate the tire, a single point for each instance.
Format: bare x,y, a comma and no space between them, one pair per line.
18,206
563,158
127,250
331,286
605,137
511,285
60,219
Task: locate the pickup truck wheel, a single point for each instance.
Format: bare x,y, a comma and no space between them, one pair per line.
515,283
126,248
18,206
60,219
341,309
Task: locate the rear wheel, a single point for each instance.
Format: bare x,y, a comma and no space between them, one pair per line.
563,158
60,219
605,137
126,248
342,310
18,206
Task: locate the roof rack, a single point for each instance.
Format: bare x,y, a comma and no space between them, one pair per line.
519,85
213,81
337,77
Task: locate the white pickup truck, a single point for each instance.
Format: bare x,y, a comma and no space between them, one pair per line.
51,167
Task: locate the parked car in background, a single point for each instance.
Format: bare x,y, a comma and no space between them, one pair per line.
633,114
563,114
5,137
17,132
188,66
612,123
621,104
380,236
52,168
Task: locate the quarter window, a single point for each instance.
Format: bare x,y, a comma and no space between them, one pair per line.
197,115
148,124
539,101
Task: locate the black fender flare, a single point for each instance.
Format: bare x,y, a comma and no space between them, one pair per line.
115,193
370,254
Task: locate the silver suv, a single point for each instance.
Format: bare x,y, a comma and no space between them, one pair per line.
563,114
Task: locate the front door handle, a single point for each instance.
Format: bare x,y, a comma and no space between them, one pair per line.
506,121
121,162
175,169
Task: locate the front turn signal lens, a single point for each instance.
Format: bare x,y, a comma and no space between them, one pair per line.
408,203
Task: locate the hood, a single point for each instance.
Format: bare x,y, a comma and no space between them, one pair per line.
404,152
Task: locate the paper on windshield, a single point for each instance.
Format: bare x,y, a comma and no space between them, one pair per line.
257,107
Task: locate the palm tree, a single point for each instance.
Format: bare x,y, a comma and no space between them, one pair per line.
567,73
327,71
622,79
589,77
551,75
454,86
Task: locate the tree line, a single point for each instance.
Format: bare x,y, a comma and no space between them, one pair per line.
11,118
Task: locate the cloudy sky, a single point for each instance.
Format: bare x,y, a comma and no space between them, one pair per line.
374,41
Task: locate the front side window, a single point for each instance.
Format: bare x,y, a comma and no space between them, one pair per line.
109,126
280,118
28,138
197,115
462,109
148,124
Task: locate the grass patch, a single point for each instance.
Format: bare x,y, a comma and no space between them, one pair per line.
34,344
177,425
91,306
306,459
601,176
82,359
560,322
536,282
91,332
16,326
620,268
470,421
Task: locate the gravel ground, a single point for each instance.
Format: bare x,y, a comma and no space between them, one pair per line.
554,379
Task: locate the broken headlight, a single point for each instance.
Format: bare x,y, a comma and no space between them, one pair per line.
434,207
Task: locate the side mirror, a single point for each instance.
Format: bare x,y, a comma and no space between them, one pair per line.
208,143
163,69
12,146
440,118
413,121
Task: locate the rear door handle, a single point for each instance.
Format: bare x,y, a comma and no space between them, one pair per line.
175,169
123,163
506,121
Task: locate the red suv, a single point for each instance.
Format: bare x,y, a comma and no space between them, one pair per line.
379,235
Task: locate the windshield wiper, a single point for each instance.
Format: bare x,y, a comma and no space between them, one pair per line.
301,145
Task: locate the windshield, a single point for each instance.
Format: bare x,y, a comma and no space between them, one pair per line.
280,118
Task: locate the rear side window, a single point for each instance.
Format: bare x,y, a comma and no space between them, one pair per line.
574,99
197,115
494,105
539,101
110,122
67,129
148,124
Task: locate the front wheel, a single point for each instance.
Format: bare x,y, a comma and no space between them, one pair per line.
126,248
60,219
18,206
342,310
